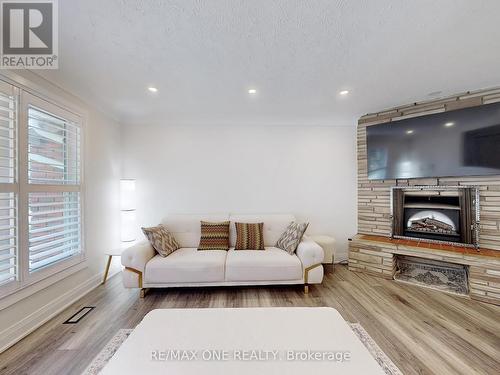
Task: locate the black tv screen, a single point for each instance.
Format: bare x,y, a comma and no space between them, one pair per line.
463,142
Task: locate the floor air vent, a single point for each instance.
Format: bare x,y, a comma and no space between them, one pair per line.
79,315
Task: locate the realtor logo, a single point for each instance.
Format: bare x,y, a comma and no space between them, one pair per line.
29,34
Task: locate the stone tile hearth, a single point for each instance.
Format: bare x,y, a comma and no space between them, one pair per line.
377,255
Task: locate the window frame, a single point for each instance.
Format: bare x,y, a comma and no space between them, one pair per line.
29,100
13,187
63,268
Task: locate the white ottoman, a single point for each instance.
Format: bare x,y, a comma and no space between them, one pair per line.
214,340
328,245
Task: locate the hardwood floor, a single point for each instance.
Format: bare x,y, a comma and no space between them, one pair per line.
422,331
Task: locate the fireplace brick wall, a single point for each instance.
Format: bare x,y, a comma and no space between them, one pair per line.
374,196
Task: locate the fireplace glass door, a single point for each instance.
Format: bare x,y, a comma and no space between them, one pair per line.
433,223
439,215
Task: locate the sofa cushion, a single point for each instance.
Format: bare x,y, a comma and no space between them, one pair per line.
274,226
291,237
161,239
271,264
186,227
214,236
249,236
187,265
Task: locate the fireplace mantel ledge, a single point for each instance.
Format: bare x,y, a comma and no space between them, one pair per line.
453,254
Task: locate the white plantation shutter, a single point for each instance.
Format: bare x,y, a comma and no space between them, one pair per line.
8,133
54,207
54,227
9,189
8,238
54,149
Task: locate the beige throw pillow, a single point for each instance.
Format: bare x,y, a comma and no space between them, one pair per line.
161,239
291,237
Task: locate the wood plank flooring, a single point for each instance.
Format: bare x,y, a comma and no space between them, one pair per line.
422,331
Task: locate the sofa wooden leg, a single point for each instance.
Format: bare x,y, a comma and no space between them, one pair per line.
306,276
143,292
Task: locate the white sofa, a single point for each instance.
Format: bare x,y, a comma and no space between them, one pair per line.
187,266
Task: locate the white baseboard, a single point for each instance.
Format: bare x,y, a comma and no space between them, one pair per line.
25,326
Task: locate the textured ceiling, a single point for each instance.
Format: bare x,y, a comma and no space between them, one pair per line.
204,55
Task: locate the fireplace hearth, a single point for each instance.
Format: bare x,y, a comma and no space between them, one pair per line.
436,214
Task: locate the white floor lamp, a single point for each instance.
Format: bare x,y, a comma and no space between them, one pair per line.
127,218
128,211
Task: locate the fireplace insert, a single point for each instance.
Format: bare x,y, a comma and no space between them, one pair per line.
444,214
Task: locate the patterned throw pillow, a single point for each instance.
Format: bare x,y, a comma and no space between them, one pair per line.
291,237
161,240
214,236
249,236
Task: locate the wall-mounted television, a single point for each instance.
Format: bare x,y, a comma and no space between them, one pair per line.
463,142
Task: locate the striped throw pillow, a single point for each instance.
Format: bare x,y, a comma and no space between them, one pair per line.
214,236
249,236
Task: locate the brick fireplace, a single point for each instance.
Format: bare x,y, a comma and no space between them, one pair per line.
441,234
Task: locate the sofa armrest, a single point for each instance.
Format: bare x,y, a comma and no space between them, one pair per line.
309,252
138,255
311,255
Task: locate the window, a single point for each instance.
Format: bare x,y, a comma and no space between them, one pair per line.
54,164
40,189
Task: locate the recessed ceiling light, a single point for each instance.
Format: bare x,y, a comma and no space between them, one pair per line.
449,124
252,91
152,89
409,132
344,92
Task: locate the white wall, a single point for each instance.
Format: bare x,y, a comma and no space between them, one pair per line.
102,174
309,171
